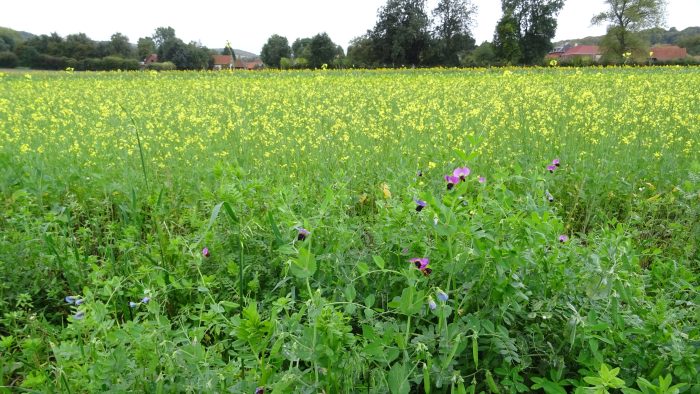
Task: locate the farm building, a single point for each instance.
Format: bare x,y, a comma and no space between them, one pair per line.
667,53
223,62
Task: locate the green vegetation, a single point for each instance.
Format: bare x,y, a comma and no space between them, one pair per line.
295,231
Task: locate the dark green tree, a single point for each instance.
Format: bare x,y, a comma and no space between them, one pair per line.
484,55
322,51
7,42
119,46
535,24
506,41
78,46
401,34
300,48
452,32
145,46
163,34
626,18
275,49
361,52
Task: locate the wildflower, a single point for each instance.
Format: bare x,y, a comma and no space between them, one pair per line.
420,173
386,191
563,238
133,304
303,233
422,265
431,303
555,162
205,252
549,196
482,179
145,300
420,204
261,389
70,299
79,315
462,173
451,181
551,169
442,296
79,301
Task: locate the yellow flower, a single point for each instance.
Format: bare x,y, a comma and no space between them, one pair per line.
386,191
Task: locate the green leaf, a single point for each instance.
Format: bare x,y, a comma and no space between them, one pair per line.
398,379
411,301
379,261
304,266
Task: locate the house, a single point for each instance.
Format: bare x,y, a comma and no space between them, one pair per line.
590,52
152,58
557,52
222,62
667,53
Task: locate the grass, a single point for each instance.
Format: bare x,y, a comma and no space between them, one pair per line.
112,183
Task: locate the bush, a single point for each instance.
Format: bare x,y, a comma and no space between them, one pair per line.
119,63
164,66
8,60
48,62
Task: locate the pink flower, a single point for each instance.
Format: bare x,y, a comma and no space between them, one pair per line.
205,252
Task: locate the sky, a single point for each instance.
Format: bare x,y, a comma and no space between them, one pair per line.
248,24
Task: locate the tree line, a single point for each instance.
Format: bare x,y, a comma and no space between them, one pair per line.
407,35
80,52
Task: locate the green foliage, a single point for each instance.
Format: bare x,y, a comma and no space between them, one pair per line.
144,47
626,18
401,33
322,51
506,41
274,50
8,60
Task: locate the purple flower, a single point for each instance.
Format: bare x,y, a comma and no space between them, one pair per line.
462,173
260,390
205,252
79,301
451,181
551,168
563,238
70,299
482,179
549,196
133,304
79,316
420,204
422,265
302,233
431,304
442,296
145,300
555,162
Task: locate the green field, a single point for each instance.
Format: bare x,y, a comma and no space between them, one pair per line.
222,232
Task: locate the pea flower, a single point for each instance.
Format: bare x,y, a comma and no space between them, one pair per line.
462,173
431,304
302,233
551,168
555,162
205,252
549,196
451,181
482,179
145,300
79,315
442,296
419,173
422,265
563,238
70,300
260,390
420,204
133,304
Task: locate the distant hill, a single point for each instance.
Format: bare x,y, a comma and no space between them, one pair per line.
240,54
17,35
687,38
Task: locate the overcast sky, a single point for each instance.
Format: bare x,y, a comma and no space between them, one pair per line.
248,24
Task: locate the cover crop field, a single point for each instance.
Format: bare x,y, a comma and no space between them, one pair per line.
424,231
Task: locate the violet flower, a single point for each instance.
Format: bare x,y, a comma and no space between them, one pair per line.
145,300
70,299
563,238
442,296
422,265
133,304
420,204
555,162
462,173
79,315
431,304
205,252
551,168
302,233
482,179
451,181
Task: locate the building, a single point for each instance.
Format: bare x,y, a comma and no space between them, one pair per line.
664,53
222,62
590,52
226,62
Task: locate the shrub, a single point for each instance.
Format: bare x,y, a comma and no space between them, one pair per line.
8,60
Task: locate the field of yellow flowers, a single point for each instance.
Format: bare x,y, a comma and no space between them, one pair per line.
425,231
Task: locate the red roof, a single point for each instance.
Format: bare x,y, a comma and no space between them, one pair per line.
222,60
668,52
583,50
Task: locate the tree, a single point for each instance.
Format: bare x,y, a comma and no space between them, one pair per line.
78,46
534,23
506,41
454,19
484,55
119,45
145,46
275,49
322,51
401,33
300,48
360,52
627,18
163,34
